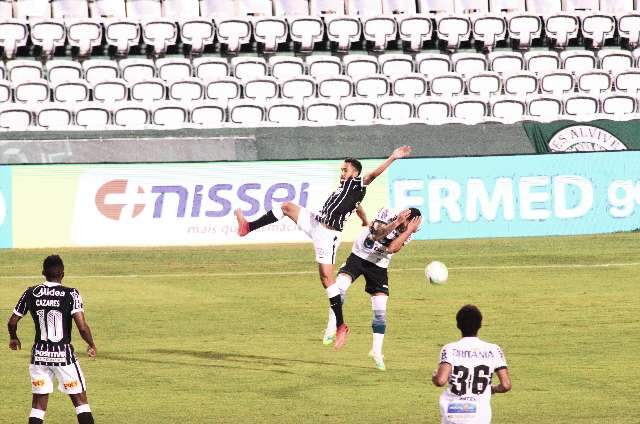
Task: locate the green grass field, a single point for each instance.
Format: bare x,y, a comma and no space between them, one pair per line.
233,334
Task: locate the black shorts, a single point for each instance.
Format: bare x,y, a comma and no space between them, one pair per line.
376,278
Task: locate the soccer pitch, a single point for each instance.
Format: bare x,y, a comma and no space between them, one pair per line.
233,334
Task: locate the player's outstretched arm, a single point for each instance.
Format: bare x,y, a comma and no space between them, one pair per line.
505,382
362,215
399,153
381,230
85,333
12,326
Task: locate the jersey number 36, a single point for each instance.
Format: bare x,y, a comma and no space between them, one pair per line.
479,377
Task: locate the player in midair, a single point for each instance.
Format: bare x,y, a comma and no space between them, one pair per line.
53,308
467,366
325,227
370,256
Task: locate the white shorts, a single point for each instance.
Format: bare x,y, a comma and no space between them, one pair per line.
70,379
325,241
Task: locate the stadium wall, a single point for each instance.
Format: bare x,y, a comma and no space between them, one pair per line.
192,204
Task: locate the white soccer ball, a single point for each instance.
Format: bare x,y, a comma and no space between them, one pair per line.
436,273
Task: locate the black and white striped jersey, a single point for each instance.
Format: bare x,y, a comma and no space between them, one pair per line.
52,306
342,203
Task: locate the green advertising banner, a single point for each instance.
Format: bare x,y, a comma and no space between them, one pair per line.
593,136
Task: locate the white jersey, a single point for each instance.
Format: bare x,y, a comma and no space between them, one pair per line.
376,251
467,399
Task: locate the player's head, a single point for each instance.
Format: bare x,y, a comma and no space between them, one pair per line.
350,168
53,268
413,213
469,319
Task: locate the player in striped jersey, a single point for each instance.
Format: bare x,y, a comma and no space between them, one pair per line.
54,308
325,227
370,257
467,366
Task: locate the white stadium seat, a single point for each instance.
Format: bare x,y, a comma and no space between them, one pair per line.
261,88
359,111
594,82
322,111
524,27
63,70
159,33
306,30
454,30
5,91
53,116
92,116
285,112
393,110
131,115
71,91
618,104
581,105
64,9
108,9
507,6
148,90
356,65
414,30
399,7
270,31
544,107
180,9
520,84
122,34
249,67
197,33
431,64
484,84
471,6
335,87
379,30
508,109
21,70
144,9
286,67
598,28
432,110
208,114
578,61
561,28
172,69
489,29
96,70
436,7
246,112
169,115
223,89
84,34
48,34
581,5
110,90
290,8
187,89
33,91
233,32
557,83
449,84
505,62
372,86
15,117
542,62
301,87
343,30
395,64
469,110
31,9
616,6
327,7
615,60
629,28
544,7
319,66
13,34
628,81
409,85
469,63
136,69
209,68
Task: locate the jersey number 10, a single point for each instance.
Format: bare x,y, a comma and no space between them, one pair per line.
51,329
479,377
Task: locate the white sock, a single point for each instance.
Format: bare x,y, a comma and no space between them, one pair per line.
37,413
333,290
83,408
378,339
276,209
379,306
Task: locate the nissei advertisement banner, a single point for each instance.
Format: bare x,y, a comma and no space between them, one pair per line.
6,209
520,195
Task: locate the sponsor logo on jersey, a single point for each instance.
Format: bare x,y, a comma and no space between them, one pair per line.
462,408
49,355
37,383
584,138
71,385
473,354
47,291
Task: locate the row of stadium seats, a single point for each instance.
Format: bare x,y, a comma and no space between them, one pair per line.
450,84
358,111
376,28
319,66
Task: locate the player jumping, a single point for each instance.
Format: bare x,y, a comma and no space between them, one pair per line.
370,256
325,227
53,307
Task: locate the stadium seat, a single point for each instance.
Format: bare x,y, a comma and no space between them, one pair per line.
618,104
542,62
375,85
285,112
578,61
32,91
629,28
322,111
180,9
544,107
301,87
356,65
48,34
582,105
110,90
323,66
15,117
343,30
594,82
169,115
431,110
197,33
270,31
508,109
616,6
628,81
144,9
96,70
448,84
431,64
64,9
507,6
561,28
286,67
246,112
393,110
505,62
159,33
290,7
136,69
557,82
20,70
186,89
395,64
358,111
453,30
615,60
598,28
209,68
306,31
414,30
133,115
54,116
544,7
29,9
92,116
470,110
5,91
378,29
122,34
489,29
148,90
327,7
581,5
208,114
468,63
108,9
335,87
524,27
249,67
484,84
261,88
471,6
409,85
71,91
223,89
172,69
63,70
13,34
436,7
232,31
520,84
84,34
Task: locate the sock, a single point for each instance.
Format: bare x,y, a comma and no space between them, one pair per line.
274,215
343,282
84,414
379,322
36,416
333,293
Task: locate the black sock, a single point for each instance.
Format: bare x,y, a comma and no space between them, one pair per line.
266,219
34,420
85,418
336,307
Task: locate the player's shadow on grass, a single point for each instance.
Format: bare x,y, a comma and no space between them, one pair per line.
249,359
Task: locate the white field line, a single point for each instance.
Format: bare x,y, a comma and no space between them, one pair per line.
271,273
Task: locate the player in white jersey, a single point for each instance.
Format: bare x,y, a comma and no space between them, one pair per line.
467,366
370,256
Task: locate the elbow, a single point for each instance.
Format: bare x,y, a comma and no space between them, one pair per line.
438,381
507,386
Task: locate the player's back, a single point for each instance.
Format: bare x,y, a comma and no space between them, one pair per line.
52,306
467,398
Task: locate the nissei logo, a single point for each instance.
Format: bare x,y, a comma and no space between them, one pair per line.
121,199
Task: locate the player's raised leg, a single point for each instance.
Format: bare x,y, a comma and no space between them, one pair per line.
39,404
378,327
277,212
343,281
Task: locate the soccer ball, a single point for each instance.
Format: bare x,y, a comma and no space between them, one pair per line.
436,273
